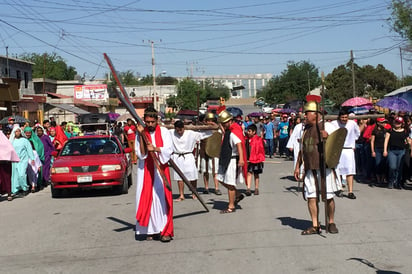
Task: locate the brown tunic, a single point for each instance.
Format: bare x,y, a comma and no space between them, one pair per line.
310,150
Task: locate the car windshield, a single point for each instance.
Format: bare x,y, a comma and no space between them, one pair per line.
90,146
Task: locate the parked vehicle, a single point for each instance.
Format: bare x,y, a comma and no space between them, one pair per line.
259,102
213,105
95,161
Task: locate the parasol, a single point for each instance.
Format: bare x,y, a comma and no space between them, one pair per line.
395,104
17,119
235,111
124,117
256,114
356,102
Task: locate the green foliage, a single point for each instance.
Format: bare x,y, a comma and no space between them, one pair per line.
146,80
369,81
215,90
293,83
166,80
407,80
188,91
128,78
50,66
402,18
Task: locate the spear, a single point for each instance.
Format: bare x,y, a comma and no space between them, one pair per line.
322,166
124,98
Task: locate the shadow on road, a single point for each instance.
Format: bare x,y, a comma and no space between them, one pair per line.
371,265
288,177
127,225
295,223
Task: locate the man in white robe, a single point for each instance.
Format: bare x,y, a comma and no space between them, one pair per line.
294,143
347,165
184,142
154,205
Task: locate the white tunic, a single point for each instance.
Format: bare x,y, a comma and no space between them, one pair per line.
347,165
158,214
183,147
233,174
295,142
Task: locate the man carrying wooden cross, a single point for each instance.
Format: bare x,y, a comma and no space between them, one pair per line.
154,204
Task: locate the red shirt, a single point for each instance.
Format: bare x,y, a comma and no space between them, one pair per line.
257,151
130,132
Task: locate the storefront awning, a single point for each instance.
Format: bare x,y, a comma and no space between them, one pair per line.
70,108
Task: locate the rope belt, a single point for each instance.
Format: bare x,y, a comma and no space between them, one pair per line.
181,154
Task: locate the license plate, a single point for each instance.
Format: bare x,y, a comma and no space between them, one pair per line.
84,179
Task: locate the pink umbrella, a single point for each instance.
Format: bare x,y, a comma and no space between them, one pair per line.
355,102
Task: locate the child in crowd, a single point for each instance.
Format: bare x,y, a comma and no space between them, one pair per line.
255,156
33,169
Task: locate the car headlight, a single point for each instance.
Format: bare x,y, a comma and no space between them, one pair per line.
56,170
111,167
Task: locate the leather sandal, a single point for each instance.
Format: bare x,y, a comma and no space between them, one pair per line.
228,210
311,230
239,198
165,238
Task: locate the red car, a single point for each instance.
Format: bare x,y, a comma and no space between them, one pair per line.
91,162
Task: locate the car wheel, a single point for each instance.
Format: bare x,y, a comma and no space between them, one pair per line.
130,180
124,188
55,193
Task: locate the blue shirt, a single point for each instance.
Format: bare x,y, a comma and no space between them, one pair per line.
283,129
269,127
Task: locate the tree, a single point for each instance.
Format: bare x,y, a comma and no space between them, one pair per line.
215,90
407,80
401,22
128,78
369,81
339,84
187,91
293,83
402,18
50,66
166,80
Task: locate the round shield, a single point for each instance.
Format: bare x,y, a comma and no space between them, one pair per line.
333,147
213,144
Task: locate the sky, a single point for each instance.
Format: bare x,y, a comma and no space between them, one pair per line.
202,38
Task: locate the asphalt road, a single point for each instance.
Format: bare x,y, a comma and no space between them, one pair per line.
93,233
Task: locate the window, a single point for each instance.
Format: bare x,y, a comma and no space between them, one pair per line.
26,80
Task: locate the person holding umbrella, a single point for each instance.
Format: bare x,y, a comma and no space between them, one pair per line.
10,124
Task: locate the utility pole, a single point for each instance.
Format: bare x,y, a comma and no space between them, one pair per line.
7,62
154,77
402,79
353,73
44,73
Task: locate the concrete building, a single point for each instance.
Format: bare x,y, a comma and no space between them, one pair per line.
241,85
17,95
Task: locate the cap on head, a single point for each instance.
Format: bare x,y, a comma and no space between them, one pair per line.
311,106
381,120
11,119
225,116
399,120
